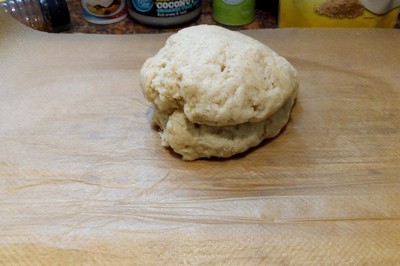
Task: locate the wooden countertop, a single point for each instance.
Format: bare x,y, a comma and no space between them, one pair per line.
84,179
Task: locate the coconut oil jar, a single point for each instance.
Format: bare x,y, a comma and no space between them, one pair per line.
164,13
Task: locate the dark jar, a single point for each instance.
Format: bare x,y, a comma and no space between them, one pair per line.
42,15
164,13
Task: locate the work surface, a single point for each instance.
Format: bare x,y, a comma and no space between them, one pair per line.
84,179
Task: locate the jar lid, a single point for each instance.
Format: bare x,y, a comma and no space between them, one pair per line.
56,14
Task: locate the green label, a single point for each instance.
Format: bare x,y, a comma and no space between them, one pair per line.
234,12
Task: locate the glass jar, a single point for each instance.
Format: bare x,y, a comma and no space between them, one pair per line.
164,13
233,12
104,11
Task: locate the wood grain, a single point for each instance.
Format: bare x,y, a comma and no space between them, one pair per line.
85,181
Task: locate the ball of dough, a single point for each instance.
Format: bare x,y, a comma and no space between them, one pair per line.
217,92
217,77
195,141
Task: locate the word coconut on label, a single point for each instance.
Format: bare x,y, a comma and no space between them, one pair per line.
164,13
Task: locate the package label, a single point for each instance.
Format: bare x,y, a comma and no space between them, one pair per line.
337,14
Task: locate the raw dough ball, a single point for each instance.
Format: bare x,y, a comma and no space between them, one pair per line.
217,77
217,92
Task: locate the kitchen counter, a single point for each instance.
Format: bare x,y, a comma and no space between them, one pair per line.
266,17
84,179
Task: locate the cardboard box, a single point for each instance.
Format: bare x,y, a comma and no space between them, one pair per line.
334,14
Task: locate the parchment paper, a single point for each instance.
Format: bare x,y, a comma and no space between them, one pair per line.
84,179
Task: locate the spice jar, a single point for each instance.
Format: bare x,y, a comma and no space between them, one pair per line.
103,11
233,12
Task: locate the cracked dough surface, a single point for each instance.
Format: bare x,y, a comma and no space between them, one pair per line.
217,92
217,77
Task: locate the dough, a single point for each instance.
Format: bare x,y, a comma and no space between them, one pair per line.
195,141
217,92
217,77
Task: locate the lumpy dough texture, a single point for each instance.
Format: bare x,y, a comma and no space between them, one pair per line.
217,77
216,92
195,141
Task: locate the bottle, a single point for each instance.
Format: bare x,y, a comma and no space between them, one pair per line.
43,15
233,12
164,13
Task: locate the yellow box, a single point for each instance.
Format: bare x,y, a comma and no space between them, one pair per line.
333,14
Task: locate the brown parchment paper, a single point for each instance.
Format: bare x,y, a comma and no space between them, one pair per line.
85,181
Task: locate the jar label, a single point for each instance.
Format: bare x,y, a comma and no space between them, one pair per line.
143,5
103,11
233,12
164,8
